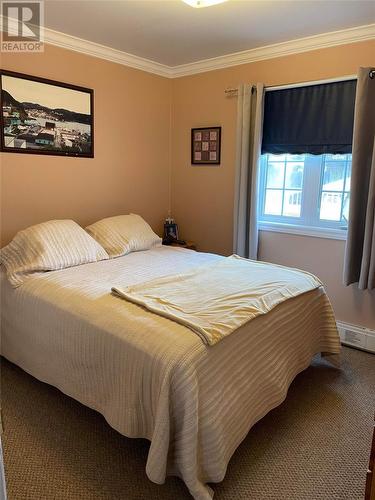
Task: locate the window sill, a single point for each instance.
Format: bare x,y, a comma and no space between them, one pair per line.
317,232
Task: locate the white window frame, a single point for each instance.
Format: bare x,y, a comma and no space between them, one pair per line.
309,223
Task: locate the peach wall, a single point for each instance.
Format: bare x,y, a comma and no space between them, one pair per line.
202,197
132,160
323,258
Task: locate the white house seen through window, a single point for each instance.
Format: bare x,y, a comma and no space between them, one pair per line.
306,190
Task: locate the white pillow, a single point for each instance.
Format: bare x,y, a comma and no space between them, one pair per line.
123,234
49,246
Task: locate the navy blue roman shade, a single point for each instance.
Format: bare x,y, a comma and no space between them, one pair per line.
315,119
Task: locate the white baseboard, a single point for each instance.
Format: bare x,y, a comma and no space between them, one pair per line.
357,336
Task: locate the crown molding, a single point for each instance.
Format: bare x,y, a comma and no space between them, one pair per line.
102,52
350,35
93,49
306,44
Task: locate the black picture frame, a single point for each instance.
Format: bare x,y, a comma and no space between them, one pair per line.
171,231
78,143
202,137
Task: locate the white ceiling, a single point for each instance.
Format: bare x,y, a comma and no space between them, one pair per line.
172,33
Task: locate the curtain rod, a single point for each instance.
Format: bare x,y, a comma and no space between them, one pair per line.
232,91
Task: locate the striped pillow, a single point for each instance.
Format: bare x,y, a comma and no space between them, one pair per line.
49,246
123,234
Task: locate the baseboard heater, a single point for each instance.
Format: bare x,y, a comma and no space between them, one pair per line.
356,336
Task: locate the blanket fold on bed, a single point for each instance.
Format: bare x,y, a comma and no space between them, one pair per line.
217,299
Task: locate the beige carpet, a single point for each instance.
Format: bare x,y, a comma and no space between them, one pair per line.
315,446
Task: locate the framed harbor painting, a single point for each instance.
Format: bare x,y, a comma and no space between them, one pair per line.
205,146
40,116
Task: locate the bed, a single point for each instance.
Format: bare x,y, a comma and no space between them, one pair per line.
154,378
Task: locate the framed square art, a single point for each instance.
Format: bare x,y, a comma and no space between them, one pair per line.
205,146
40,116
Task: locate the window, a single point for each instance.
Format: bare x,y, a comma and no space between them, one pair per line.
305,190
306,158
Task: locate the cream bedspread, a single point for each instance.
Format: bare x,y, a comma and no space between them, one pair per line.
215,300
154,378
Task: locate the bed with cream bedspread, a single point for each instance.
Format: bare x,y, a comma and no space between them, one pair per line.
152,377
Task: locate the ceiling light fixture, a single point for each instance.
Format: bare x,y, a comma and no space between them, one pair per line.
198,4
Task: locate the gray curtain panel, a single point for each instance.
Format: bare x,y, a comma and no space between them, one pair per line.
359,266
249,139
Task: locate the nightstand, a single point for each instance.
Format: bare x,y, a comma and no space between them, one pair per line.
190,245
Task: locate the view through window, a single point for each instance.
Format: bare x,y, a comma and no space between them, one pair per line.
310,190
